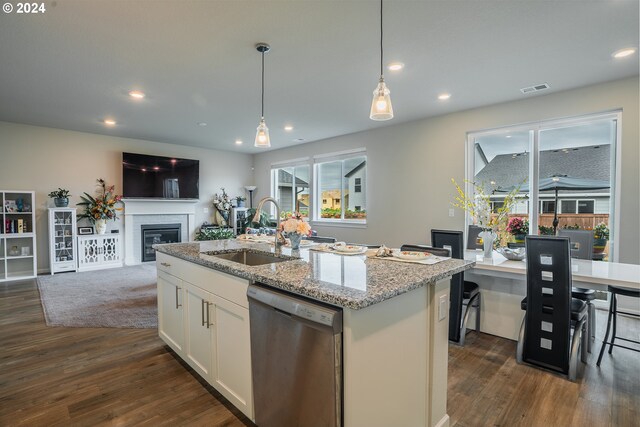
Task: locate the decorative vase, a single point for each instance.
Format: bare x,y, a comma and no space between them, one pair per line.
221,218
599,245
101,226
61,202
488,237
241,203
295,239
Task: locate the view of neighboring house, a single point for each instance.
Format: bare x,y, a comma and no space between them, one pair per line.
292,198
356,178
582,207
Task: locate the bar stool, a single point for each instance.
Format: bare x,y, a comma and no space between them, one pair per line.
613,313
545,335
582,248
464,295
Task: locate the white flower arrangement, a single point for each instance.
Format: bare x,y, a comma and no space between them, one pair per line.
222,202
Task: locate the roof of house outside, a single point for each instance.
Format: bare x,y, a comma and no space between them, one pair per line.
285,179
356,169
590,162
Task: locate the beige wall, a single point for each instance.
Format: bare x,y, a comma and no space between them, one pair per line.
410,165
43,159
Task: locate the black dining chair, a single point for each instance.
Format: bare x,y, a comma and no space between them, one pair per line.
365,245
551,314
425,248
464,295
472,237
319,239
582,248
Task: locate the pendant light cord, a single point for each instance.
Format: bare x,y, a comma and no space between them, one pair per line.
262,110
381,50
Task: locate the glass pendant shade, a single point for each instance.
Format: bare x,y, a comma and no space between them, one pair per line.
262,135
381,108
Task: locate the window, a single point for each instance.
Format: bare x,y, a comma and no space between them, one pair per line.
586,206
358,185
566,170
341,186
290,187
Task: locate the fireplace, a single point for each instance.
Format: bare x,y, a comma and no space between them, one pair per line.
153,234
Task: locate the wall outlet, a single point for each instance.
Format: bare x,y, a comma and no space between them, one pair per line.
205,210
452,212
443,307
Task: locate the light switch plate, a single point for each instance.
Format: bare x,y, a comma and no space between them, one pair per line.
205,210
442,307
452,212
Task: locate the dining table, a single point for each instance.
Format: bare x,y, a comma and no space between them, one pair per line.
503,285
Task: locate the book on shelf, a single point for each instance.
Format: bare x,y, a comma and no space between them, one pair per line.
15,226
20,225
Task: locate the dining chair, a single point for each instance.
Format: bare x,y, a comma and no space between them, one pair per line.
425,248
582,248
464,295
365,245
319,239
472,237
551,313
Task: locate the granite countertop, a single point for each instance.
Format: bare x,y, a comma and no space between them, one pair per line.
350,281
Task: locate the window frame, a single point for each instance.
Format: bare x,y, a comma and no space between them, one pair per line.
534,129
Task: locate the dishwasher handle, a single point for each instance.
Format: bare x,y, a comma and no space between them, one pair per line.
296,307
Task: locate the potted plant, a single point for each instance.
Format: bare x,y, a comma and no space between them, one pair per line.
102,207
60,197
600,237
518,228
240,201
545,231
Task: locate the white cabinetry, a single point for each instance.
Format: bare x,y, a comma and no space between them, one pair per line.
99,251
237,219
17,235
62,239
204,317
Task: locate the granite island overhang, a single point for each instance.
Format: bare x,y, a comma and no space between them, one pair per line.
395,322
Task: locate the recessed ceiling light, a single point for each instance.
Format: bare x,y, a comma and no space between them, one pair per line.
201,124
623,53
136,94
109,122
444,96
395,66
288,128
508,136
298,140
238,141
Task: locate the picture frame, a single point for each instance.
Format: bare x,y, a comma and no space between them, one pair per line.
85,230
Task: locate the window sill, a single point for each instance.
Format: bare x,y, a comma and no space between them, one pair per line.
340,223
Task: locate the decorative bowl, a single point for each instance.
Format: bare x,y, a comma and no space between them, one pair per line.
515,254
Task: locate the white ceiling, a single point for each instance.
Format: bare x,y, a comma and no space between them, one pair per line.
73,65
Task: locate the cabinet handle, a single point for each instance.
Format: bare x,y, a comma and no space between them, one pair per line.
208,324
202,310
165,264
178,305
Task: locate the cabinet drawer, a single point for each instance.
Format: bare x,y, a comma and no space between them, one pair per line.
224,285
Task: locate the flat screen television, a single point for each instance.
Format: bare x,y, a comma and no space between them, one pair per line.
146,176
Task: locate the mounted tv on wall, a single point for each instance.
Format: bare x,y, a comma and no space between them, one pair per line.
146,176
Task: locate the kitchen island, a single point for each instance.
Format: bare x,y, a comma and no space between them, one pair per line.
395,323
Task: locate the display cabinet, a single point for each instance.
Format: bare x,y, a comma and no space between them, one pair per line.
17,235
237,219
62,240
97,251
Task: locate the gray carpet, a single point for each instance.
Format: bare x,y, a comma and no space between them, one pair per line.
111,298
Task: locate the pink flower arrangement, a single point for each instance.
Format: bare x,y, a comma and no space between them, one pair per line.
294,223
517,226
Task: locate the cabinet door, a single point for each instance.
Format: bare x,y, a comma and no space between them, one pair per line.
170,311
232,359
199,308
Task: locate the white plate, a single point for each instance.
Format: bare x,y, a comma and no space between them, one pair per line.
410,255
348,248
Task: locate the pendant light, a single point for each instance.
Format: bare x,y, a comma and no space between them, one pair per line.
381,108
262,134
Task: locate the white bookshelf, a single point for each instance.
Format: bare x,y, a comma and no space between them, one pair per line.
18,258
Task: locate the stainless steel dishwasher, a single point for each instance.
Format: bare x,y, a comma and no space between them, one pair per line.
296,357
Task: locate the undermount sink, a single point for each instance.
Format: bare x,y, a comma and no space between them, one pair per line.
252,258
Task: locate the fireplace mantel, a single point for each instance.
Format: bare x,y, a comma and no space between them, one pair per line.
138,208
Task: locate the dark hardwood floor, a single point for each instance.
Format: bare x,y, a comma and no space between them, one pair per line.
92,377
